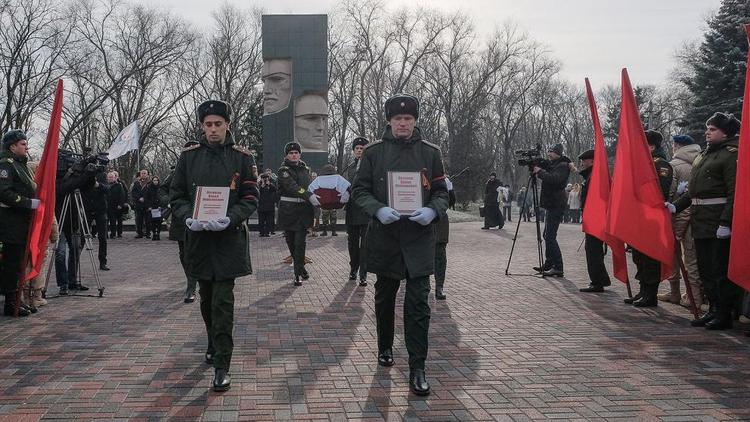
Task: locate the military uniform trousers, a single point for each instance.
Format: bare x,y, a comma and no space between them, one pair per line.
713,265
217,309
441,262
329,219
357,242
595,261
10,269
191,281
648,272
416,316
296,242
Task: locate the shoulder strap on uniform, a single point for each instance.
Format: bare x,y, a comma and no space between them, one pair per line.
732,149
430,144
191,147
242,150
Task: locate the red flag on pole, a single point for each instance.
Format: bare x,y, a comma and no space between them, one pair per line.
41,223
739,264
597,200
637,215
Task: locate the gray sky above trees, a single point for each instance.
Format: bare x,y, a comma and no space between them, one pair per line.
593,38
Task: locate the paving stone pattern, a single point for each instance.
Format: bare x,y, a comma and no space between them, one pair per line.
501,347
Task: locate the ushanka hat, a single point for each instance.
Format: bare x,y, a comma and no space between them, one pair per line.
216,108
654,138
726,122
13,136
401,104
292,146
359,141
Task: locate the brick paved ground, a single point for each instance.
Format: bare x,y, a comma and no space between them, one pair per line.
503,348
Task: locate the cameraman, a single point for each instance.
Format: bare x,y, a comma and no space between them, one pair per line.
553,198
95,200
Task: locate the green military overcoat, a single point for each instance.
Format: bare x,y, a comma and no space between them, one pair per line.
294,178
224,254
404,247
17,187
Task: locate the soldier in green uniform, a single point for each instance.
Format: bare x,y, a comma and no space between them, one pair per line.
710,195
296,207
356,220
648,270
402,246
217,251
442,234
177,232
17,191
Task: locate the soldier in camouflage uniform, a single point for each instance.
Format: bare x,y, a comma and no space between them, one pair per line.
648,271
296,207
402,246
710,196
217,251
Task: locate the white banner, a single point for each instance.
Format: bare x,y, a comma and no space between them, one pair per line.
126,140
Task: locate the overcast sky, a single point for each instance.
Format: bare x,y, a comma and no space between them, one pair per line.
593,38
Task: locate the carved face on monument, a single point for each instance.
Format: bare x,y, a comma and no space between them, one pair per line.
277,85
311,123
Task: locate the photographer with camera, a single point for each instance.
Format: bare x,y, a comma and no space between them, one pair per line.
553,198
95,201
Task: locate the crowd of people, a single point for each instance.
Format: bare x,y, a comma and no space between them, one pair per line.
394,240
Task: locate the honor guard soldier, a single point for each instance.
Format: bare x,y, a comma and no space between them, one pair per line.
594,247
356,220
217,251
648,270
296,207
442,234
710,194
17,191
402,246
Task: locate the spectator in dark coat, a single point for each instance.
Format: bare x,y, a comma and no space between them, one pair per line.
116,199
266,206
153,207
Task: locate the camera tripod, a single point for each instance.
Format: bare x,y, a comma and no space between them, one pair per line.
84,230
531,186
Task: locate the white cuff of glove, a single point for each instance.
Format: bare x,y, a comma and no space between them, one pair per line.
670,206
35,203
423,216
218,224
387,215
194,225
314,199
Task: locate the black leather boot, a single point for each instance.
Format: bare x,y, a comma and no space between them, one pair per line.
439,294
705,318
385,358
363,281
649,299
722,321
9,308
296,281
418,382
630,300
352,275
221,380
305,275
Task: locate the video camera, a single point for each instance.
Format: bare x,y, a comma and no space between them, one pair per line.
77,171
532,157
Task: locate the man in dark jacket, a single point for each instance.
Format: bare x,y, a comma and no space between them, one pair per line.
266,206
116,199
648,270
296,204
710,195
553,199
594,247
402,246
442,235
17,192
138,193
492,215
216,251
356,220
96,211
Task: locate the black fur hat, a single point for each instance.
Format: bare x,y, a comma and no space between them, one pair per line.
292,146
359,141
726,122
401,104
587,155
13,136
214,107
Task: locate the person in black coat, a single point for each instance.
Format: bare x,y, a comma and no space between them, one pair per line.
153,207
116,198
137,193
266,206
554,200
492,215
95,202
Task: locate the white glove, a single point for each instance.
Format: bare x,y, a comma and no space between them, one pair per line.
35,204
723,232
194,225
682,187
315,200
344,197
387,215
218,224
670,206
423,216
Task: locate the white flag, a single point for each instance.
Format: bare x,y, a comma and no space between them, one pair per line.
126,140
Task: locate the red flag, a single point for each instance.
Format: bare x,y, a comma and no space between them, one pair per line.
41,223
739,265
637,215
597,200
